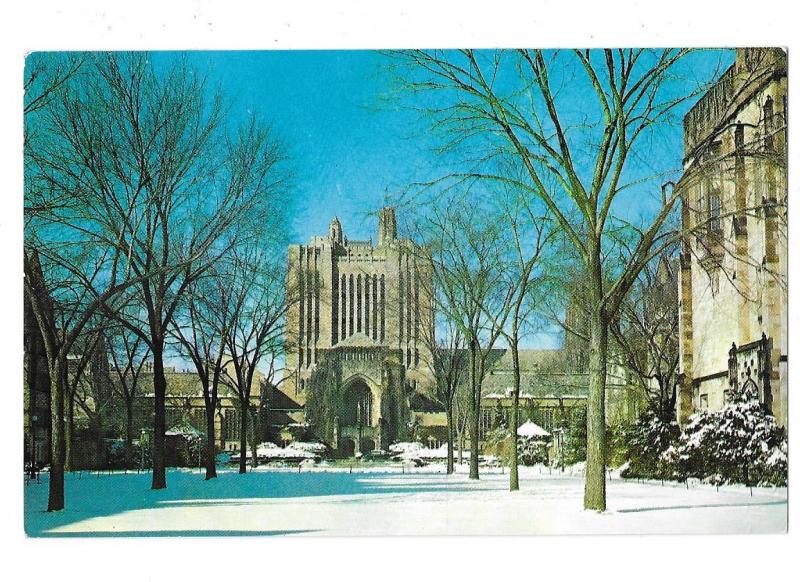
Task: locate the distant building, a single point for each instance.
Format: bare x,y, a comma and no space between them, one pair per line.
356,356
733,289
185,405
354,333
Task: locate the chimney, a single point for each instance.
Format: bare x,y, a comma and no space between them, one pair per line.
387,226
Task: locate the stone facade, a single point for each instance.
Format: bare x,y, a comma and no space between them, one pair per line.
733,286
354,334
356,356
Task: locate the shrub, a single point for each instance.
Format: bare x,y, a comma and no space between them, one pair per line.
645,442
739,444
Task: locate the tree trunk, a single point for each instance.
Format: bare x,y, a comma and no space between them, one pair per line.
128,424
211,438
476,413
55,501
595,478
450,467
159,424
254,441
514,469
69,431
243,438
129,433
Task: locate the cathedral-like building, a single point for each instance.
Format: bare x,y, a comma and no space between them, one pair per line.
358,373
733,286
355,326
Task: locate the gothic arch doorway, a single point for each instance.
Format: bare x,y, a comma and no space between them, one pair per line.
347,447
357,405
367,445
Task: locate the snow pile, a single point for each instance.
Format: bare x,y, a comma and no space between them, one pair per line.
317,448
295,451
403,448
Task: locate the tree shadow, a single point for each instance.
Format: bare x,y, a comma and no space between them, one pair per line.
89,495
698,506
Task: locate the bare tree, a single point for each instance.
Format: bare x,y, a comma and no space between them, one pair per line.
530,234
81,389
129,356
445,356
511,104
645,332
201,327
81,286
467,274
255,331
155,174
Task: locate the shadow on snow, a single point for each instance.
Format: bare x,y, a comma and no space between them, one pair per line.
88,496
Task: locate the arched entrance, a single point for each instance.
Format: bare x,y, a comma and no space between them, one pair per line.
347,447
357,405
359,418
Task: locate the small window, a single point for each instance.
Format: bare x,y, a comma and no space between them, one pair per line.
704,402
738,136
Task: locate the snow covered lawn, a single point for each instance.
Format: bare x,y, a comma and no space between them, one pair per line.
382,501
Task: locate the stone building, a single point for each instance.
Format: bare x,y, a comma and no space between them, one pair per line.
354,334
356,359
733,288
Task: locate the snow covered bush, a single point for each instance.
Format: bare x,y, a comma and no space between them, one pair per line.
532,451
645,441
739,444
575,438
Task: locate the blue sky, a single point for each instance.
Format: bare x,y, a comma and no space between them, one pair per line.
347,150
350,150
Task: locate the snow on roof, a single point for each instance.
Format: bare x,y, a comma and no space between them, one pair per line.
183,430
531,429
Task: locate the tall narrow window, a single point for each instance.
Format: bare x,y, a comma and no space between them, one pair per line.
401,292
769,124
366,305
344,307
383,308
714,212
301,279
309,308
358,304
738,137
375,307
351,310
316,313
416,306
334,309
409,301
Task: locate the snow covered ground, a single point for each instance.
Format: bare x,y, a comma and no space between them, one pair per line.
403,501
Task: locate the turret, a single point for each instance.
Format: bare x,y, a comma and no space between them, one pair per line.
335,231
387,226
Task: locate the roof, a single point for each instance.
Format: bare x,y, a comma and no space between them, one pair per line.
279,400
542,374
185,429
186,383
531,429
422,403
